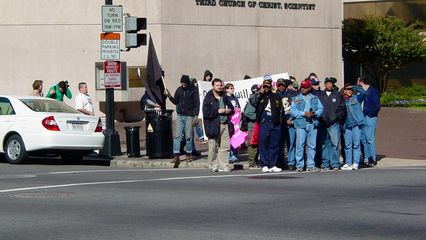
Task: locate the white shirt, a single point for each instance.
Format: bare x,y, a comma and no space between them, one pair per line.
83,101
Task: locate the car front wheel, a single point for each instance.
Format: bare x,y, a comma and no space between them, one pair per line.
15,150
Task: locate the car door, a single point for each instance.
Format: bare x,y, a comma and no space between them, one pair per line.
7,116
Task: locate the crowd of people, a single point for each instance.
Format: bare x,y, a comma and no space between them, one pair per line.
83,101
294,126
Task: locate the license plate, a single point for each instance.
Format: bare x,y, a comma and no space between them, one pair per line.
77,127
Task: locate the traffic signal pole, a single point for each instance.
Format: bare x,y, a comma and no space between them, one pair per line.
112,145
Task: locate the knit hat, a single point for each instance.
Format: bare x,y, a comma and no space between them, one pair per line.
185,79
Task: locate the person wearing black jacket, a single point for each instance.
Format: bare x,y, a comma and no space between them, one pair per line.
217,110
268,115
334,113
286,94
187,107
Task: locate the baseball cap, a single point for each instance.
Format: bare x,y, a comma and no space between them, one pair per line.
267,83
295,84
267,77
314,81
306,83
330,79
286,82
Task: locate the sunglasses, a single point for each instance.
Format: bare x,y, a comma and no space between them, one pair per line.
280,84
266,86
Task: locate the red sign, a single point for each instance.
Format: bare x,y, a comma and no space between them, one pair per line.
112,74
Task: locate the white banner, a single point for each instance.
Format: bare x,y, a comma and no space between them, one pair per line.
242,89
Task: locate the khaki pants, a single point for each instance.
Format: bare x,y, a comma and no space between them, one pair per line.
251,151
218,155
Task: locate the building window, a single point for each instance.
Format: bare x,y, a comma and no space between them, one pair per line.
134,80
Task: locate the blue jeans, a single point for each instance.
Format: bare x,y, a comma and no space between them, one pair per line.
183,128
352,145
269,142
284,141
368,138
199,131
306,135
330,147
291,161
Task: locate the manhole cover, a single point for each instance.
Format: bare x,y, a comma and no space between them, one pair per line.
43,195
11,176
272,177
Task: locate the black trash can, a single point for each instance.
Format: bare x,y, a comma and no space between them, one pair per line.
133,141
159,133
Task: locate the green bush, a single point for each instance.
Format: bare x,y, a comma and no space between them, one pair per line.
406,96
414,91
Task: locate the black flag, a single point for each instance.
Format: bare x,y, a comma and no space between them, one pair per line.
154,86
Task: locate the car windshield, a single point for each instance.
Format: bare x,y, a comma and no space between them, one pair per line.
48,105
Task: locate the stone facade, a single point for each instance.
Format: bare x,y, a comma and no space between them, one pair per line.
59,40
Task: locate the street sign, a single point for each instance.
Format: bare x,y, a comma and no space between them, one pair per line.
112,74
112,18
110,46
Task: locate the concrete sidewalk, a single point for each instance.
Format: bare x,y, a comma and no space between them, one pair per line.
201,162
397,145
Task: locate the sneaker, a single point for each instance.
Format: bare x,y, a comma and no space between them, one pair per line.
311,170
291,168
254,167
275,169
355,166
299,170
346,167
325,169
265,170
372,164
225,170
214,170
335,169
175,159
188,158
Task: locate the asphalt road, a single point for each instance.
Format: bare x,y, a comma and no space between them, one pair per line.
96,202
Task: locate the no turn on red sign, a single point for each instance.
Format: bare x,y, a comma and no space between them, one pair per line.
112,74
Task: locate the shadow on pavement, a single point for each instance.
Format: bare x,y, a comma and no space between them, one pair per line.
56,160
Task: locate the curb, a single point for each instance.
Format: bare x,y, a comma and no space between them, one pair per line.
145,162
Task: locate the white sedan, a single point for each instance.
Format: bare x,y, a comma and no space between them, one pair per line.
34,125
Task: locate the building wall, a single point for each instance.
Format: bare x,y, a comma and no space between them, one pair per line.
57,40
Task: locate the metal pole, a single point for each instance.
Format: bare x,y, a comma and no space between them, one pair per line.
112,145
